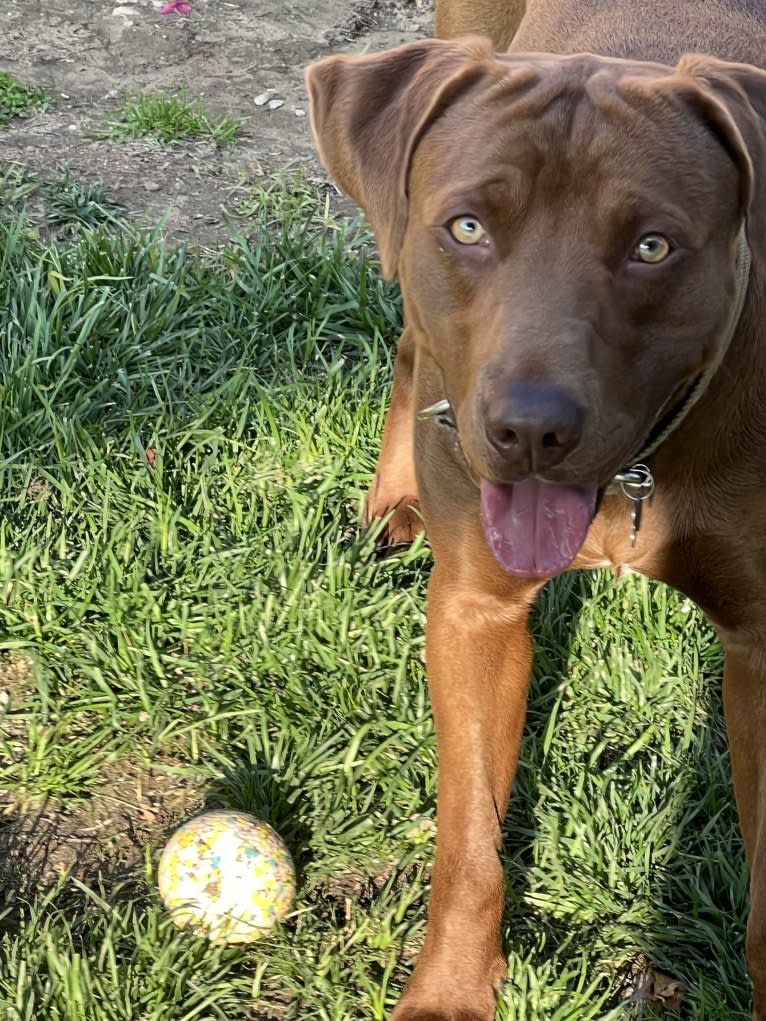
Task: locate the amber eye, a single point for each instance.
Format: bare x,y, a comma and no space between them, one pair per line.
467,230
652,248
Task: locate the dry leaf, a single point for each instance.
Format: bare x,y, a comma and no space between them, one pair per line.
668,991
648,986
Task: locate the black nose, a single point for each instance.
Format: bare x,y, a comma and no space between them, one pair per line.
533,425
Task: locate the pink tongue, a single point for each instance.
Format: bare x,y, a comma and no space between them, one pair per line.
535,529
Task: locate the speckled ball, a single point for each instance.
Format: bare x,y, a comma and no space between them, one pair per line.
227,875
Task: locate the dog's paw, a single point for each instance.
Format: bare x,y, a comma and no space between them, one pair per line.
442,991
426,1003
402,521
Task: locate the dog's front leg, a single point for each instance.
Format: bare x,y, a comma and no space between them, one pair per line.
395,488
478,652
744,690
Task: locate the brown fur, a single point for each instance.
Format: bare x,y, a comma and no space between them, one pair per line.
434,130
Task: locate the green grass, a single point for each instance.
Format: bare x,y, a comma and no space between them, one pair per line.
15,188
169,119
18,101
71,203
220,612
62,203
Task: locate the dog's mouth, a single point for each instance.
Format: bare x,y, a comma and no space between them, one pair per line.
535,529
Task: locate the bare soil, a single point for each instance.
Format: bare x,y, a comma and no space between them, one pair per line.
135,807
89,53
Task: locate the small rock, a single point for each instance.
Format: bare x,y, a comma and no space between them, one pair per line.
123,12
299,112
274,104
262,99
151,186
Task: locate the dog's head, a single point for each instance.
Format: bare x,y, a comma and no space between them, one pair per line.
565,232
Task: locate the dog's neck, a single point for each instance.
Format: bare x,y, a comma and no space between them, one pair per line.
670,420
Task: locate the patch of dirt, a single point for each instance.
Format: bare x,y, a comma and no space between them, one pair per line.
134,810
89,53
15,679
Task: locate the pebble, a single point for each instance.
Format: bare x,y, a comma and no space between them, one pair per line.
151,186
274,104
261,100
299,112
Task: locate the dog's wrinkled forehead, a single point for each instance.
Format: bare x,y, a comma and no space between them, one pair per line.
583,121
582,92
534,81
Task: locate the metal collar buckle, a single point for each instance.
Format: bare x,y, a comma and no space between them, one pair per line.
440,412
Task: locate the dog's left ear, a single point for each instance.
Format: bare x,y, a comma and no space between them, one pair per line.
731,98
368,114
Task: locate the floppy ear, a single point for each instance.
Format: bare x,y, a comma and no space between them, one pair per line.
368,114
732,99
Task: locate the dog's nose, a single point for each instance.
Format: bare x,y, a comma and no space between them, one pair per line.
533,425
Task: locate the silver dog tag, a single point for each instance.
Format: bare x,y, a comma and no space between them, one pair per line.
637,483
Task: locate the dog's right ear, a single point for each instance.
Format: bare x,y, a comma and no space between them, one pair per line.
368,114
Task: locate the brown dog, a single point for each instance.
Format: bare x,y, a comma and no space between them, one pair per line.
573,235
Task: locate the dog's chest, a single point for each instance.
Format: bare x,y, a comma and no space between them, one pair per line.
611,544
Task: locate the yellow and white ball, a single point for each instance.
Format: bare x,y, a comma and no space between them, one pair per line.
227,875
